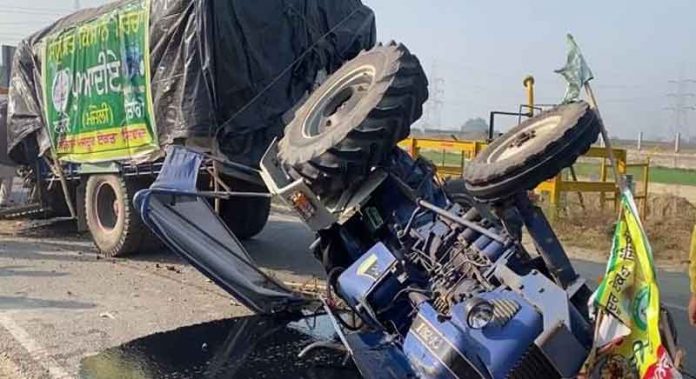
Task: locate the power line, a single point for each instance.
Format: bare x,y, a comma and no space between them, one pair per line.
14,32
10,13
15,23
13,35
35,12
35,9
435,104
682,100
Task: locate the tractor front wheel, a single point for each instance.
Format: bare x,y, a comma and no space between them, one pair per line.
535,150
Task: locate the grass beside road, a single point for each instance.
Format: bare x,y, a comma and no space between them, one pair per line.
591,170
662,175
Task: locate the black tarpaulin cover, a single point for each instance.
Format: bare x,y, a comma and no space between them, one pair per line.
4,158
209,60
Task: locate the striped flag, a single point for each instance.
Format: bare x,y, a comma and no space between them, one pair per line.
628,299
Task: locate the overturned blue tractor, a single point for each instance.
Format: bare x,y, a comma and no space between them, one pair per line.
424,278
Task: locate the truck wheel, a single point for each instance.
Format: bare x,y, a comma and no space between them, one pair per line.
116,228
535,150
354,120
246,216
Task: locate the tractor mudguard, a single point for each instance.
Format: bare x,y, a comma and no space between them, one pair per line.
184,220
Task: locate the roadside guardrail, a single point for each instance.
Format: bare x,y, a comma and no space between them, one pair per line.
450,158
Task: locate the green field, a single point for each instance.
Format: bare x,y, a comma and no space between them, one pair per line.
657,174
592,170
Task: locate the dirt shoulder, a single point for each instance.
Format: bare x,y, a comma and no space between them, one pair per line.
588,231
8,369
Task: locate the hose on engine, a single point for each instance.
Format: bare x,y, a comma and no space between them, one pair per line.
332,280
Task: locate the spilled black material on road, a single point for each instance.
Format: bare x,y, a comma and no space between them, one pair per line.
249,347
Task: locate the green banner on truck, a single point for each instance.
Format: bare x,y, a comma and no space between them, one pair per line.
96,87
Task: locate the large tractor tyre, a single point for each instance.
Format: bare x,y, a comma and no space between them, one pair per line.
246,216
353,121
535,150
116,227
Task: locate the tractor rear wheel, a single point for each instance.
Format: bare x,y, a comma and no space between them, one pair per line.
354,120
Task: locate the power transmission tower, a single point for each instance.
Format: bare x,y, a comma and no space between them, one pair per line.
683,103
436,102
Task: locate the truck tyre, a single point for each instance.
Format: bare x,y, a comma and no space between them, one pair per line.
116,228
246,216
536,150
354,119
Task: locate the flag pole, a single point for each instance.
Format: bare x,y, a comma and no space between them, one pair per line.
621,184
620,179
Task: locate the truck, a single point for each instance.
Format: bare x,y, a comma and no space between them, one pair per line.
95,97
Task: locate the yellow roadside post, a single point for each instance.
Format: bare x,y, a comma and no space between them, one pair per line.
692,251
692,261
646,186
529,85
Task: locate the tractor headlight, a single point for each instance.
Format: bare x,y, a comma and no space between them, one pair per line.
479,313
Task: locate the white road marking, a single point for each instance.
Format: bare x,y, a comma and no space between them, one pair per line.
35,350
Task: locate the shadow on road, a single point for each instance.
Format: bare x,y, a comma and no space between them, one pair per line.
282,245
57,228
8,303
24,252
160,255
7,271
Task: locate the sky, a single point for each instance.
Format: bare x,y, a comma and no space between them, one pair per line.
481,50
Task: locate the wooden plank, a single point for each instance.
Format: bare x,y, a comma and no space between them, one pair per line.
588,186
472,147
600,152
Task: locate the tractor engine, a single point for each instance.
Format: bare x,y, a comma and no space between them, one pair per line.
454,257
449,284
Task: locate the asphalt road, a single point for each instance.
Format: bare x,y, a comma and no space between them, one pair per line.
59,302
